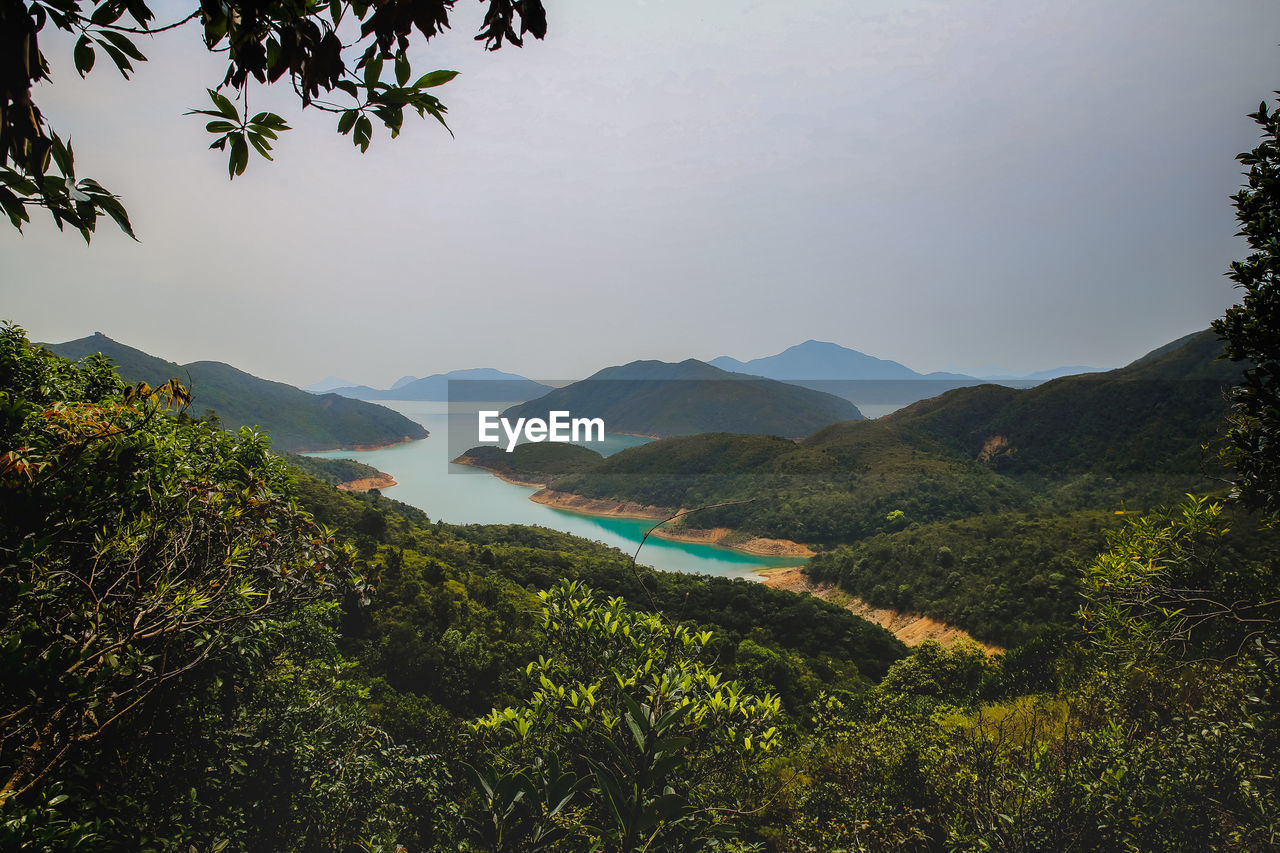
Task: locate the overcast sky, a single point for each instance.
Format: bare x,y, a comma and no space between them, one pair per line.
1011,183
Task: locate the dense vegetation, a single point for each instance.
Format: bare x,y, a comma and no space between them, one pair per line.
204,649
661,399
1001,577
294,419
331,471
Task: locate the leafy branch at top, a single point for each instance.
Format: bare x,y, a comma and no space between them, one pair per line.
264,41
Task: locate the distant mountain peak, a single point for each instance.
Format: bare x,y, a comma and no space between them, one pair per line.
327,384
815,360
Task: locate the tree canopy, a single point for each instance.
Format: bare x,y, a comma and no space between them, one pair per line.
1251,329
346,57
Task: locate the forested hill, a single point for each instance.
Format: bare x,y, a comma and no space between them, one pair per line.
1152,415
664,399
297,420
1130,437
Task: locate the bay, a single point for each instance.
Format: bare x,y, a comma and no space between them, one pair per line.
459,494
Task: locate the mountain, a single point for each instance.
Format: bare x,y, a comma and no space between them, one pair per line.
815,360
847,373
326,384
480,384
664,399
1126,438
531,463
297,420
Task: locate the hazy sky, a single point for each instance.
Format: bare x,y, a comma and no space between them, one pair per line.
946,184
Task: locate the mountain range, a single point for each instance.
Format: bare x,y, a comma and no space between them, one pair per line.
1128,437
664,399
296,420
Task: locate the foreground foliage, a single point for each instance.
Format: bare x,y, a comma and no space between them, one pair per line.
204,648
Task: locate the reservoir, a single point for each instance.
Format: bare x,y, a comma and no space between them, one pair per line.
460,494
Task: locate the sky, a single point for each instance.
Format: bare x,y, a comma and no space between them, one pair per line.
1006,183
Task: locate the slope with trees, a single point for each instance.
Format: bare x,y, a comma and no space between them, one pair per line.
296,420
1130,437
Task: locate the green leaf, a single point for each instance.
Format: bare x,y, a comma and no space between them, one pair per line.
13,208
17,181
220,126
64,157
261,144
372,71
107,13
225,107
402,68
124,44
84,56
239,157
116,211
435,78
121,60
363,133
346,120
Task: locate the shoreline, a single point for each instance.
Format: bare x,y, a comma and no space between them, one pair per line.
910,628
464,459
404,439
723,537
641,435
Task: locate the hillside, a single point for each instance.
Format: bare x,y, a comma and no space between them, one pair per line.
1130,436
533,463
479,384
296,420
1152,415
663,399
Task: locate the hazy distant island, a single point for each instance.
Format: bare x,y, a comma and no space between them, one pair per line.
479,384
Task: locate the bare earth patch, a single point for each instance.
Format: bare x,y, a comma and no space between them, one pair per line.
910,628
364,484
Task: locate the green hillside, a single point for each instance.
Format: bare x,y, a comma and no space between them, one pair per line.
331,472
661,399
1130,436
297,420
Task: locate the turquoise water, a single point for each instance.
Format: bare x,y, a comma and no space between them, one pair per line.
459,494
